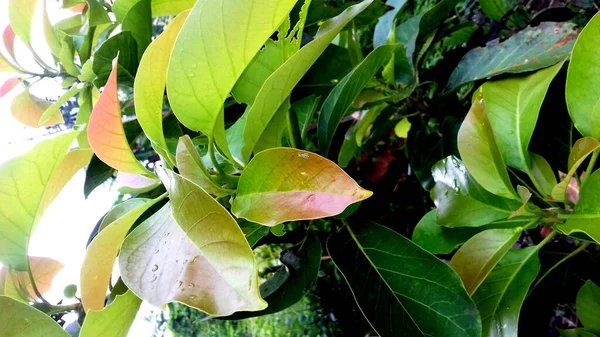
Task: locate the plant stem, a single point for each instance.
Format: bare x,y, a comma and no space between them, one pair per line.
564,259
590,167
34,286
546,240
213,158
55,309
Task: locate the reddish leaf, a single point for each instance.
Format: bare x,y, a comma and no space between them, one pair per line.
9,85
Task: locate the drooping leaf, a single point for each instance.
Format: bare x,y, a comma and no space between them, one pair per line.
530,49
20,15
582,148
582,91
22,320
139,22
586,215
204,67
113,321
202,260
29,183
101,255
461,201
53,111
28,109
8,85
106,134
341,97
392,280
384,26
500,297
285,184
477,257
588,306
496,9
272,94
43,269
481,155
150,81
513,106
124,45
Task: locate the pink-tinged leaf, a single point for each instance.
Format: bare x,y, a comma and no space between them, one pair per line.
9,85
28,109
77,9
8,36
285,184
43,269
106,134
135,183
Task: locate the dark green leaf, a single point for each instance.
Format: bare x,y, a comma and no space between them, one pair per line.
125,46
139,22
588,306
253,231
496,9
97,13
576,333
305,110
97,172
586,216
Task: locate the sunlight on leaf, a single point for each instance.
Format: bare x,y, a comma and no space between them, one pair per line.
115,320
28,109
21,320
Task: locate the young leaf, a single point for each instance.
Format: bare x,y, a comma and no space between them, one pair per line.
101,255
481,155
513,106
588,306
106,134
28,184
385,24
28,109
9,84
204,67
150,81
586,215
582,89
53,111
285,184
113,321
543,174
475,259
43,269
272,94
341,97
20,15
500,297
530,49
8,37
376,260
582,148
22,320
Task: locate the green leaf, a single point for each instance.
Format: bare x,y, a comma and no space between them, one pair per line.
582,148
481,155
393,282
278,178
349,149
96,174
501,295
28,109
21,320
204,67
305,110
586,215
139,22
496,9
20,15
28,184
477,257
253,231
513,106
97,13
49,32
300,266
202,259
543,174
461,201
53,109
530,49
66,56
341,97
125,46
402,128
115,320
588,306
272,94
149,85
385,24
582,90
366,122
576,333
159,7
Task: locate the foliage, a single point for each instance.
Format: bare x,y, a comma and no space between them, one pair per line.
267,150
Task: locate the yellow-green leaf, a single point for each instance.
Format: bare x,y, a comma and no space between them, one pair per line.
28,110
401,129
101,255
53,110
49,32
159,7
22,320
285,184
105,130
20,15
149,85
115,320
5,66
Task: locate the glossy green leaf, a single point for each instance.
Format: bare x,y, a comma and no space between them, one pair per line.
341,97
588,306
383,28
150,81
273,133
139,22
124,45
54,109
20,15
29,183
586,215
202,259
513,106
204,67
461,201
96,174
481,155
159,7
101,255
392,280
582,148
115,320
273,94
477,257
305,110
582,90
530,49
500,297
496,9
97,13
543,174
278,178
21,320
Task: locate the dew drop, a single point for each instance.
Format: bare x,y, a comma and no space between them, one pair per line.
303,155
192,74
195,258
26,321
155,268
192,297
180,284
191,285
185,261
304,173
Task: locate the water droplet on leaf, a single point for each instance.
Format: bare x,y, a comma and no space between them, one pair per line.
155,268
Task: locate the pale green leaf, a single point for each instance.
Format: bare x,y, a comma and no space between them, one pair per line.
49,32
159,7
21,320
115,320
20,15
